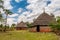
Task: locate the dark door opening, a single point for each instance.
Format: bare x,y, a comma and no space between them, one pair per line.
38,28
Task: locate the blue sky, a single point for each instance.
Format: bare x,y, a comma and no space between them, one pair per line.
22,4
16,5
27,10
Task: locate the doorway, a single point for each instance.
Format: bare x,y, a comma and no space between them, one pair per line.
38,28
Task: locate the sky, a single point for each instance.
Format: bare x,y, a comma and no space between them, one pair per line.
28,10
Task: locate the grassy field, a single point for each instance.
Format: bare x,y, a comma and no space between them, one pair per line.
25,35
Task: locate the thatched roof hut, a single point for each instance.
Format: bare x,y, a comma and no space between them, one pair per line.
44,19
42,23
21,26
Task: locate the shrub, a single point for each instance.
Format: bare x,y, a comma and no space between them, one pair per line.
56,27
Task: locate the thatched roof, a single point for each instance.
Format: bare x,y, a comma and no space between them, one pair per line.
44,19
21,24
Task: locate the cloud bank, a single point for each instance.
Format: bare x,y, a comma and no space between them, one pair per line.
34,9
37,8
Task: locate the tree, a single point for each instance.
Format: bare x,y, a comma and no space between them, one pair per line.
58,23
29,24
1,27
1,20
7,12
58,19
56,27
1,3
12,27
1,17
1,6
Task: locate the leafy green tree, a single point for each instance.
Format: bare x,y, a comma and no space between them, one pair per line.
7,12
1,3
1,21
29,24
1,27
58,23
1,17
56,27
13,27
1,6
58,19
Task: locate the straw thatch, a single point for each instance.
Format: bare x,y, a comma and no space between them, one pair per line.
44,19
21,24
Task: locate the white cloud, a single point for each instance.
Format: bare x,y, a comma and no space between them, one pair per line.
32,1
53,6
18,1
22,18
10,21
20,10
13,15
37,8
57,13
7,4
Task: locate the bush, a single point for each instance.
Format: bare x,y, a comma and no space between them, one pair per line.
56,27
12,28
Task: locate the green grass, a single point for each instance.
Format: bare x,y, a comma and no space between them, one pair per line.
25,35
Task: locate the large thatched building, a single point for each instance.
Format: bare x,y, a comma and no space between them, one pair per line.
41,24
21,26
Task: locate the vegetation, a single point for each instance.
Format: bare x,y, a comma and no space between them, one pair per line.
56,27
29,24
6,12
25,35
12,27
1,18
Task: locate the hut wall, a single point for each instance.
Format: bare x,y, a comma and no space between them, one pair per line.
45,29
17,28
21,28
42,29
24,28
32,29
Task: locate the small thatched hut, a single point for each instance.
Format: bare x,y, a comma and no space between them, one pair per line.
21,26
41,24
